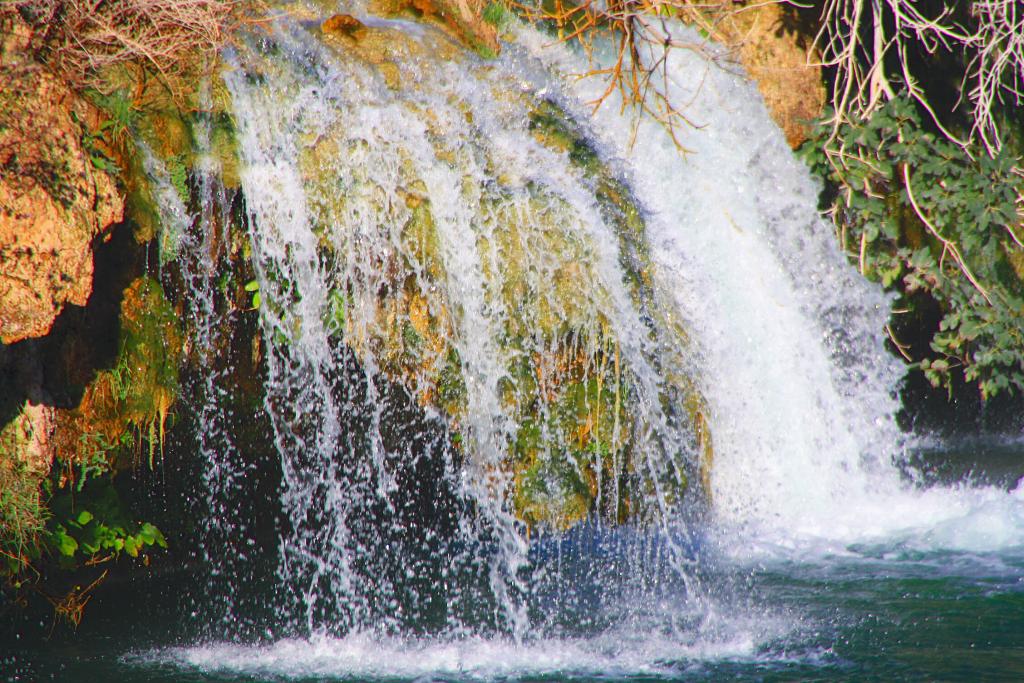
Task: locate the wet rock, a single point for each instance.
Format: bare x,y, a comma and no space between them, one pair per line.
342,24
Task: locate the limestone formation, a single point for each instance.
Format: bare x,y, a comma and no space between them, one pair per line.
54,198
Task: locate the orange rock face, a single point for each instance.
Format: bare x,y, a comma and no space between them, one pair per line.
341,23
53,201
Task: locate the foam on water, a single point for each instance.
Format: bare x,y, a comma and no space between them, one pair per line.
362,656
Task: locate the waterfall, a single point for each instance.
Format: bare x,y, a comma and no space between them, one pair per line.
802,392
413,225
524,365
197,243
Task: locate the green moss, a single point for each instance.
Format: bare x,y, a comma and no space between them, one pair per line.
136,395
566,387
553,128
485,51
178,173
550,492
497,15
451,387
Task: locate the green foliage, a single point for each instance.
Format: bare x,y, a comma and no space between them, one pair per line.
22,512
91,525
97,453
335,318
122,115
921,214
253,287
22,515
91,144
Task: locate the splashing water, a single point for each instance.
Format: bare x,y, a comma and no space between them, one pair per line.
803,392
439,199
416,240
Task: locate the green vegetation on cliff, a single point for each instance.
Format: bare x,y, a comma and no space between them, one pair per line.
932,219
82,83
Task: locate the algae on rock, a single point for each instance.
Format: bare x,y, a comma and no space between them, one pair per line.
127,405
568,390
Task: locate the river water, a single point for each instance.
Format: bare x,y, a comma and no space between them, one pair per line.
939,602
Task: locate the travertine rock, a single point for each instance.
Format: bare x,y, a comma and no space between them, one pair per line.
53,200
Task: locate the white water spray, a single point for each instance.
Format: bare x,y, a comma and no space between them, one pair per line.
785,337
793,360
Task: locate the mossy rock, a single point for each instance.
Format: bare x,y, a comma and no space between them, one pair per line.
130,403
550,493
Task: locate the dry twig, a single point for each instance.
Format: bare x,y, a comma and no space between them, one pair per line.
80,39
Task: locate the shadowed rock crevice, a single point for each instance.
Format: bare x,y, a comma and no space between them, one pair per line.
54,370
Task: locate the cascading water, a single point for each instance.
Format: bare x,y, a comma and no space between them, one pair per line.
495,326
427,226
802,391
198,243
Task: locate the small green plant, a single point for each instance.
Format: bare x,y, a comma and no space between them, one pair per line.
253,287
23,514
924,216
335,318
90,144
122,115
22,517
91,526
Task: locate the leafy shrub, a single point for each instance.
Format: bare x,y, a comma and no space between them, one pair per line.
91,526
923,215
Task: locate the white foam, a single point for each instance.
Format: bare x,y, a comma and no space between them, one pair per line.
368,657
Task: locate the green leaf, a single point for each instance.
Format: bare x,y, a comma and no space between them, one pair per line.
66,544
84,517
148,534
252,286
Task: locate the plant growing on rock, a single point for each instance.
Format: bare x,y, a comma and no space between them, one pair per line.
923,215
